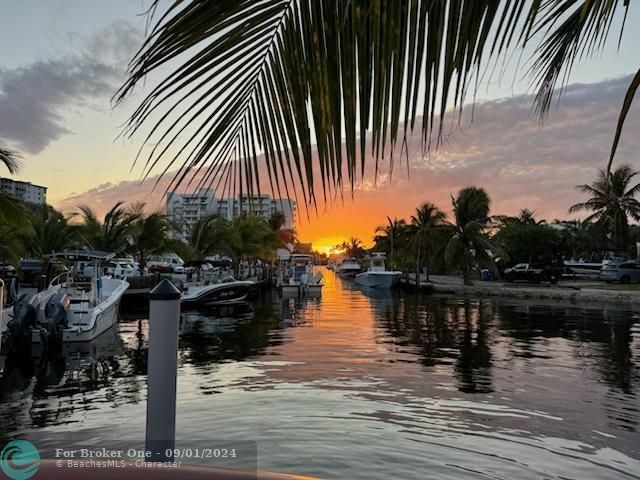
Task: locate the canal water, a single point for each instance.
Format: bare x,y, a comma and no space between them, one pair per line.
363,384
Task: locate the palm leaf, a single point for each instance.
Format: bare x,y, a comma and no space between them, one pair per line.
10,159
277,86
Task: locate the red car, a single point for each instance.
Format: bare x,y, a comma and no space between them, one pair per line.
161,268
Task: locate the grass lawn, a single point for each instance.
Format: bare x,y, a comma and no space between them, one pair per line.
630,287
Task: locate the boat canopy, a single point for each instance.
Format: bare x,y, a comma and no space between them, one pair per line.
82,255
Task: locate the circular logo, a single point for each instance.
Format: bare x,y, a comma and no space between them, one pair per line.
19,460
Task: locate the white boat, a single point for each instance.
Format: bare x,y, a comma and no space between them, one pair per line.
348,267
77,306
298,276
378,276
593,265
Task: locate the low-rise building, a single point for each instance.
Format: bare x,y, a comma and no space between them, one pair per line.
25,191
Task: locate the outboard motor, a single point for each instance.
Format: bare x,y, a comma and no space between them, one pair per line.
25,313
55,313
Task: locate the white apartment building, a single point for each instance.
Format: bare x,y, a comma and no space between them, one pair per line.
25,191
187,209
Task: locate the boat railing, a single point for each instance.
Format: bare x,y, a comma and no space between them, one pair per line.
58,280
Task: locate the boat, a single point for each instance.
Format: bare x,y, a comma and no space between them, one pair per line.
216,292
297,276
377,276
78,305
348,267
331,265
594,264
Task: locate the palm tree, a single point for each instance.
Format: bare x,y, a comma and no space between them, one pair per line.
246,77
149,235
353,247
277,221
208,236
392,231
427,219
469,241
111,235
51,232
612,201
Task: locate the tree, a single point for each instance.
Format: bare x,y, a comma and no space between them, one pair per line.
353,247
111,235
208,236
277,221
149,235
392,232
51,232
469,243
13,214
426,220
531,243
612,201
280,76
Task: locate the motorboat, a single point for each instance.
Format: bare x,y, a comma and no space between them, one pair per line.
216,292
348,267
331,265
78,305
593,265
297,276
377,276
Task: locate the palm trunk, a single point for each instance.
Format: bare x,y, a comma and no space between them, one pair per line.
418,268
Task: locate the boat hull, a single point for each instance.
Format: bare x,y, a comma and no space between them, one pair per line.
348,272
217,294
378,280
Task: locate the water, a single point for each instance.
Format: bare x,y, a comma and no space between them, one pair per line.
366,385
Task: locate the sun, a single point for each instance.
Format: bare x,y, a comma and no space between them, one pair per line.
328,246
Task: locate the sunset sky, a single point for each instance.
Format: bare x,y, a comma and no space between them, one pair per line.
62,60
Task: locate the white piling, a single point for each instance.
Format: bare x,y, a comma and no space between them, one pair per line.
162,370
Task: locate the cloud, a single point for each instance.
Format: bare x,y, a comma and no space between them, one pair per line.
35,97
503,150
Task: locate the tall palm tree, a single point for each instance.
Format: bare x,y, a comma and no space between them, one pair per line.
426,220
281,75
469,242
612,201
393,230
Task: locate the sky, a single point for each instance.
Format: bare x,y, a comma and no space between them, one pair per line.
61,61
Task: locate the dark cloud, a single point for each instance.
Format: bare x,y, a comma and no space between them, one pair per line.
34,97
504,150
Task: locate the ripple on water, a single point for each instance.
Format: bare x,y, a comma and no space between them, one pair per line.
362,384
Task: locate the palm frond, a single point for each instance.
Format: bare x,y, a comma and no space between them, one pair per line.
267,91
10,159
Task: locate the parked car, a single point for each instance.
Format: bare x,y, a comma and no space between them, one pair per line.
624,272
120,269
160,267
534,273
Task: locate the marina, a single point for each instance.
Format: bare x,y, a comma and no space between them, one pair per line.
464,386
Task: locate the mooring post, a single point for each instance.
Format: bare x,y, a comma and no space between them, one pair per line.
162,370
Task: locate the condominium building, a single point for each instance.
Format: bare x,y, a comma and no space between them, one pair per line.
25,191
187,209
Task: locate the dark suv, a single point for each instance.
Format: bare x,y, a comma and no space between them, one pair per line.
532,272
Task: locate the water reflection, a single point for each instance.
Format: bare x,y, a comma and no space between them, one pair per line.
375,383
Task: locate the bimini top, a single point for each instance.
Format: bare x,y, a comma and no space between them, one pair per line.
82,255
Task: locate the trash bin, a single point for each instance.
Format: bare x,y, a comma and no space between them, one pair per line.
486,274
